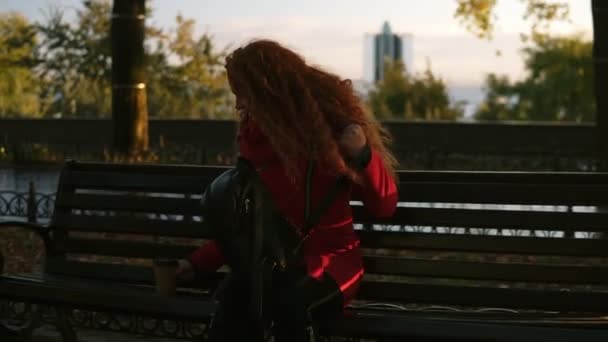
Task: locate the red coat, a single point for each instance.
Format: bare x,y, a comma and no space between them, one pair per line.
333,245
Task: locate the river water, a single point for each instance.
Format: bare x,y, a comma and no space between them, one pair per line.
45,178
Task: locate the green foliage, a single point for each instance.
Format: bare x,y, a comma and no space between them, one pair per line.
478,15
18,87
193,86
76,62
542,14
558,85
401,96
63,69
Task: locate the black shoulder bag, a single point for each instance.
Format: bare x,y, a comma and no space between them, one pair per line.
277,244
254,236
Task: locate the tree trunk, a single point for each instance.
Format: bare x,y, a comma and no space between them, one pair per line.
129,104
600,61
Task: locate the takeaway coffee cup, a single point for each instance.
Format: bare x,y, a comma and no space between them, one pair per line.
164,271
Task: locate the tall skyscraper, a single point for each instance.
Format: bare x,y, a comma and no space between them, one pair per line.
386,45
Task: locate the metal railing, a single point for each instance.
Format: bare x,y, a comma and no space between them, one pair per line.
418,145
29,205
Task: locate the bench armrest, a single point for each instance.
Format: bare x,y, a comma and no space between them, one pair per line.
42,231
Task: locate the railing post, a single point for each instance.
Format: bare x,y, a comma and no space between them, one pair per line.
31,203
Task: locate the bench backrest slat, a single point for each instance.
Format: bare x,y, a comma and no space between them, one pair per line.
131,225
128,214
147,182
493,297
488,218
514,177
132,203
497,271
134,274
504,193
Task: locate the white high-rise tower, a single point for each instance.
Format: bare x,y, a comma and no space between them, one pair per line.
386,45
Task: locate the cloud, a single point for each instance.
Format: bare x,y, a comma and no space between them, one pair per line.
458,58
462,59
336,49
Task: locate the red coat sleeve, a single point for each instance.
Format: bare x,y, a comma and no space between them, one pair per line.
378,190
207,258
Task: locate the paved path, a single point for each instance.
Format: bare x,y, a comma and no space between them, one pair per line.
48,334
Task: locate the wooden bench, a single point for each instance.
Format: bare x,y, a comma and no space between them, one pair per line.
468,256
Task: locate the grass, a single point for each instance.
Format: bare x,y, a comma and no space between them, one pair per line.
23,250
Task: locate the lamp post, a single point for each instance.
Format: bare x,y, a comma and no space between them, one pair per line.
600,62
129,104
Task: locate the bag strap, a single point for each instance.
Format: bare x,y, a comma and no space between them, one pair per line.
311,219
326,202
309,170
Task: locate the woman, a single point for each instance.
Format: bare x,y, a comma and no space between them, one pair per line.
292,113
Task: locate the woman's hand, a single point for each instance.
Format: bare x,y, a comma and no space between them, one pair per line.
184,271
352,141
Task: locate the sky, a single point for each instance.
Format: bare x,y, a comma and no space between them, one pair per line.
330,33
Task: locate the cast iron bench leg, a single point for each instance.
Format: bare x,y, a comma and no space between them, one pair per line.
24,332
63,325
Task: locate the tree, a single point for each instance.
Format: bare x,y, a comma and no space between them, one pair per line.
18,87
558,86
400,95
501,102
184,72
430,97
194,85
75,62
478,16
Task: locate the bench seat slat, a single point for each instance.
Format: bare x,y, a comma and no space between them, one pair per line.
106,296
486,270
122,273
130,225
131,249
412,327
484,243
116,272
477,296
482,218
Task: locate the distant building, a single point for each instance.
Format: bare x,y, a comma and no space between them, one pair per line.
386,45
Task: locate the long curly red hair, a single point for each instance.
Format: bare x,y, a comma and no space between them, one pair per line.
301,109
